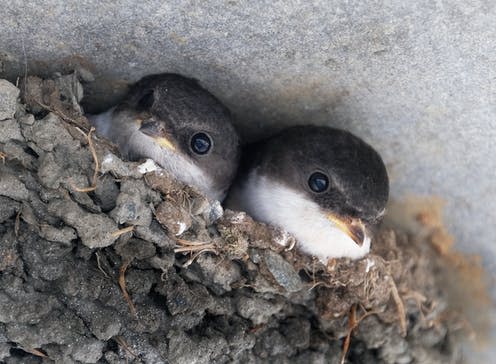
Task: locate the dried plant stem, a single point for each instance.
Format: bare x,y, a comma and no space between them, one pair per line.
122,285
400,306
119,232
97,166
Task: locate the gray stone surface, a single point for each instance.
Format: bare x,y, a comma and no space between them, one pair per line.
8,100
415,79
96,231
283,272
11,187
10,130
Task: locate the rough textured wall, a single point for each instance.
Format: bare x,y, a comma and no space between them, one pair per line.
415,79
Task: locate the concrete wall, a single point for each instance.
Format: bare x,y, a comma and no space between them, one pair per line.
417,79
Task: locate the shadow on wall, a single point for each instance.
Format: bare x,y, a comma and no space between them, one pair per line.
257,109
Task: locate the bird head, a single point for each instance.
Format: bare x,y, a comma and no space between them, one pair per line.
340,173
190,130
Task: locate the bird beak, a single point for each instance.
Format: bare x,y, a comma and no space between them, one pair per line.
354,228
154,130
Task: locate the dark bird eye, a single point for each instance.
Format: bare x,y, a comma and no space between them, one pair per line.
318,182
201,143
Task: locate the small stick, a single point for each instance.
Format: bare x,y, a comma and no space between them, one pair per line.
194,248
192,259
319,283
188,246
60,115
352,323
400,306
97,166
122,285
124,345
190,243
99,265
118,233
34,352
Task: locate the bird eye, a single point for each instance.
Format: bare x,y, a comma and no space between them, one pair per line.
318,182
201,143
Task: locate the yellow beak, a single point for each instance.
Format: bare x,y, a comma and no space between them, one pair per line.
354,228
164,142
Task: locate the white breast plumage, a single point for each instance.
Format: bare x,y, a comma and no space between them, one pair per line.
272,202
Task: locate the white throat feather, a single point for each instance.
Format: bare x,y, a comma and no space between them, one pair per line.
272,202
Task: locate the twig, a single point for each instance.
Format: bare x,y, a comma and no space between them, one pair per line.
122,285
97,166
34,352
193,258
353,323
124,345
400,306
188,246
190,242
118,233
319,283
195,248
99,265
61,115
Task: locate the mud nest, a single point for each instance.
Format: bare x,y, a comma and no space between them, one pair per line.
108,261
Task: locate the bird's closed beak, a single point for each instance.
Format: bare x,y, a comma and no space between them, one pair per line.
354,228
153,129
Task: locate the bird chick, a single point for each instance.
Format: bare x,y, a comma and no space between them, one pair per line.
325,186
181,126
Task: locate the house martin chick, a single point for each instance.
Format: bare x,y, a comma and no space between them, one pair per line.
325,186
181,126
